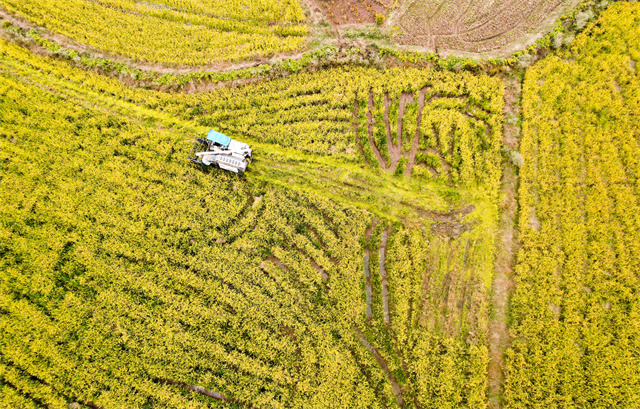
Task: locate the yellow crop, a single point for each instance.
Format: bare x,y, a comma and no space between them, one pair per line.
173,32
124,268
576,311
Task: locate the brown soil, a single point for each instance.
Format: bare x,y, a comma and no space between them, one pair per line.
449,224
368,288
205,392
452,230
367,271
416,138
90,404
275,261
475,27
507,246
319,269
316,8
382,161
455,215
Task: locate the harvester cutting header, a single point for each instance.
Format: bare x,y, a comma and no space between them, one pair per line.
220,150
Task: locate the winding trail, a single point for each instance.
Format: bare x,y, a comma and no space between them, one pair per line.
506,248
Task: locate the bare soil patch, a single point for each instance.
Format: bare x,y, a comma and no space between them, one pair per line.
205,392
319,269
449,224
367,270
471,26
368,287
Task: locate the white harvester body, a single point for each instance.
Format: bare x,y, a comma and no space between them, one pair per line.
222,151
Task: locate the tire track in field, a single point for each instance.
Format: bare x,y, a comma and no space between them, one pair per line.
367,271
205,392
394,149
383,275
399,390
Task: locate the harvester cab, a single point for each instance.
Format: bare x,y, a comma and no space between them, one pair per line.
220,150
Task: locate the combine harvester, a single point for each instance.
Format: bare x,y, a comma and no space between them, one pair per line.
218,149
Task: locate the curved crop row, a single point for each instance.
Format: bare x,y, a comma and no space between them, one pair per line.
172,33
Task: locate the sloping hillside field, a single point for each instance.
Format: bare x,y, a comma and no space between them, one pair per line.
393,243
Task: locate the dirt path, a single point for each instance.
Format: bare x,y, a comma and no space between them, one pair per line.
367,271
87,404
367,278
506,249
371,108
394,146
323,274
317,15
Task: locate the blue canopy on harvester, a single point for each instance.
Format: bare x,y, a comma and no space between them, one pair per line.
219,138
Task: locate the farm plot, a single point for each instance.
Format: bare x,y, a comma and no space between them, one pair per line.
133,280
173,32
296,120
137,278
447,123
576,307
472,26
